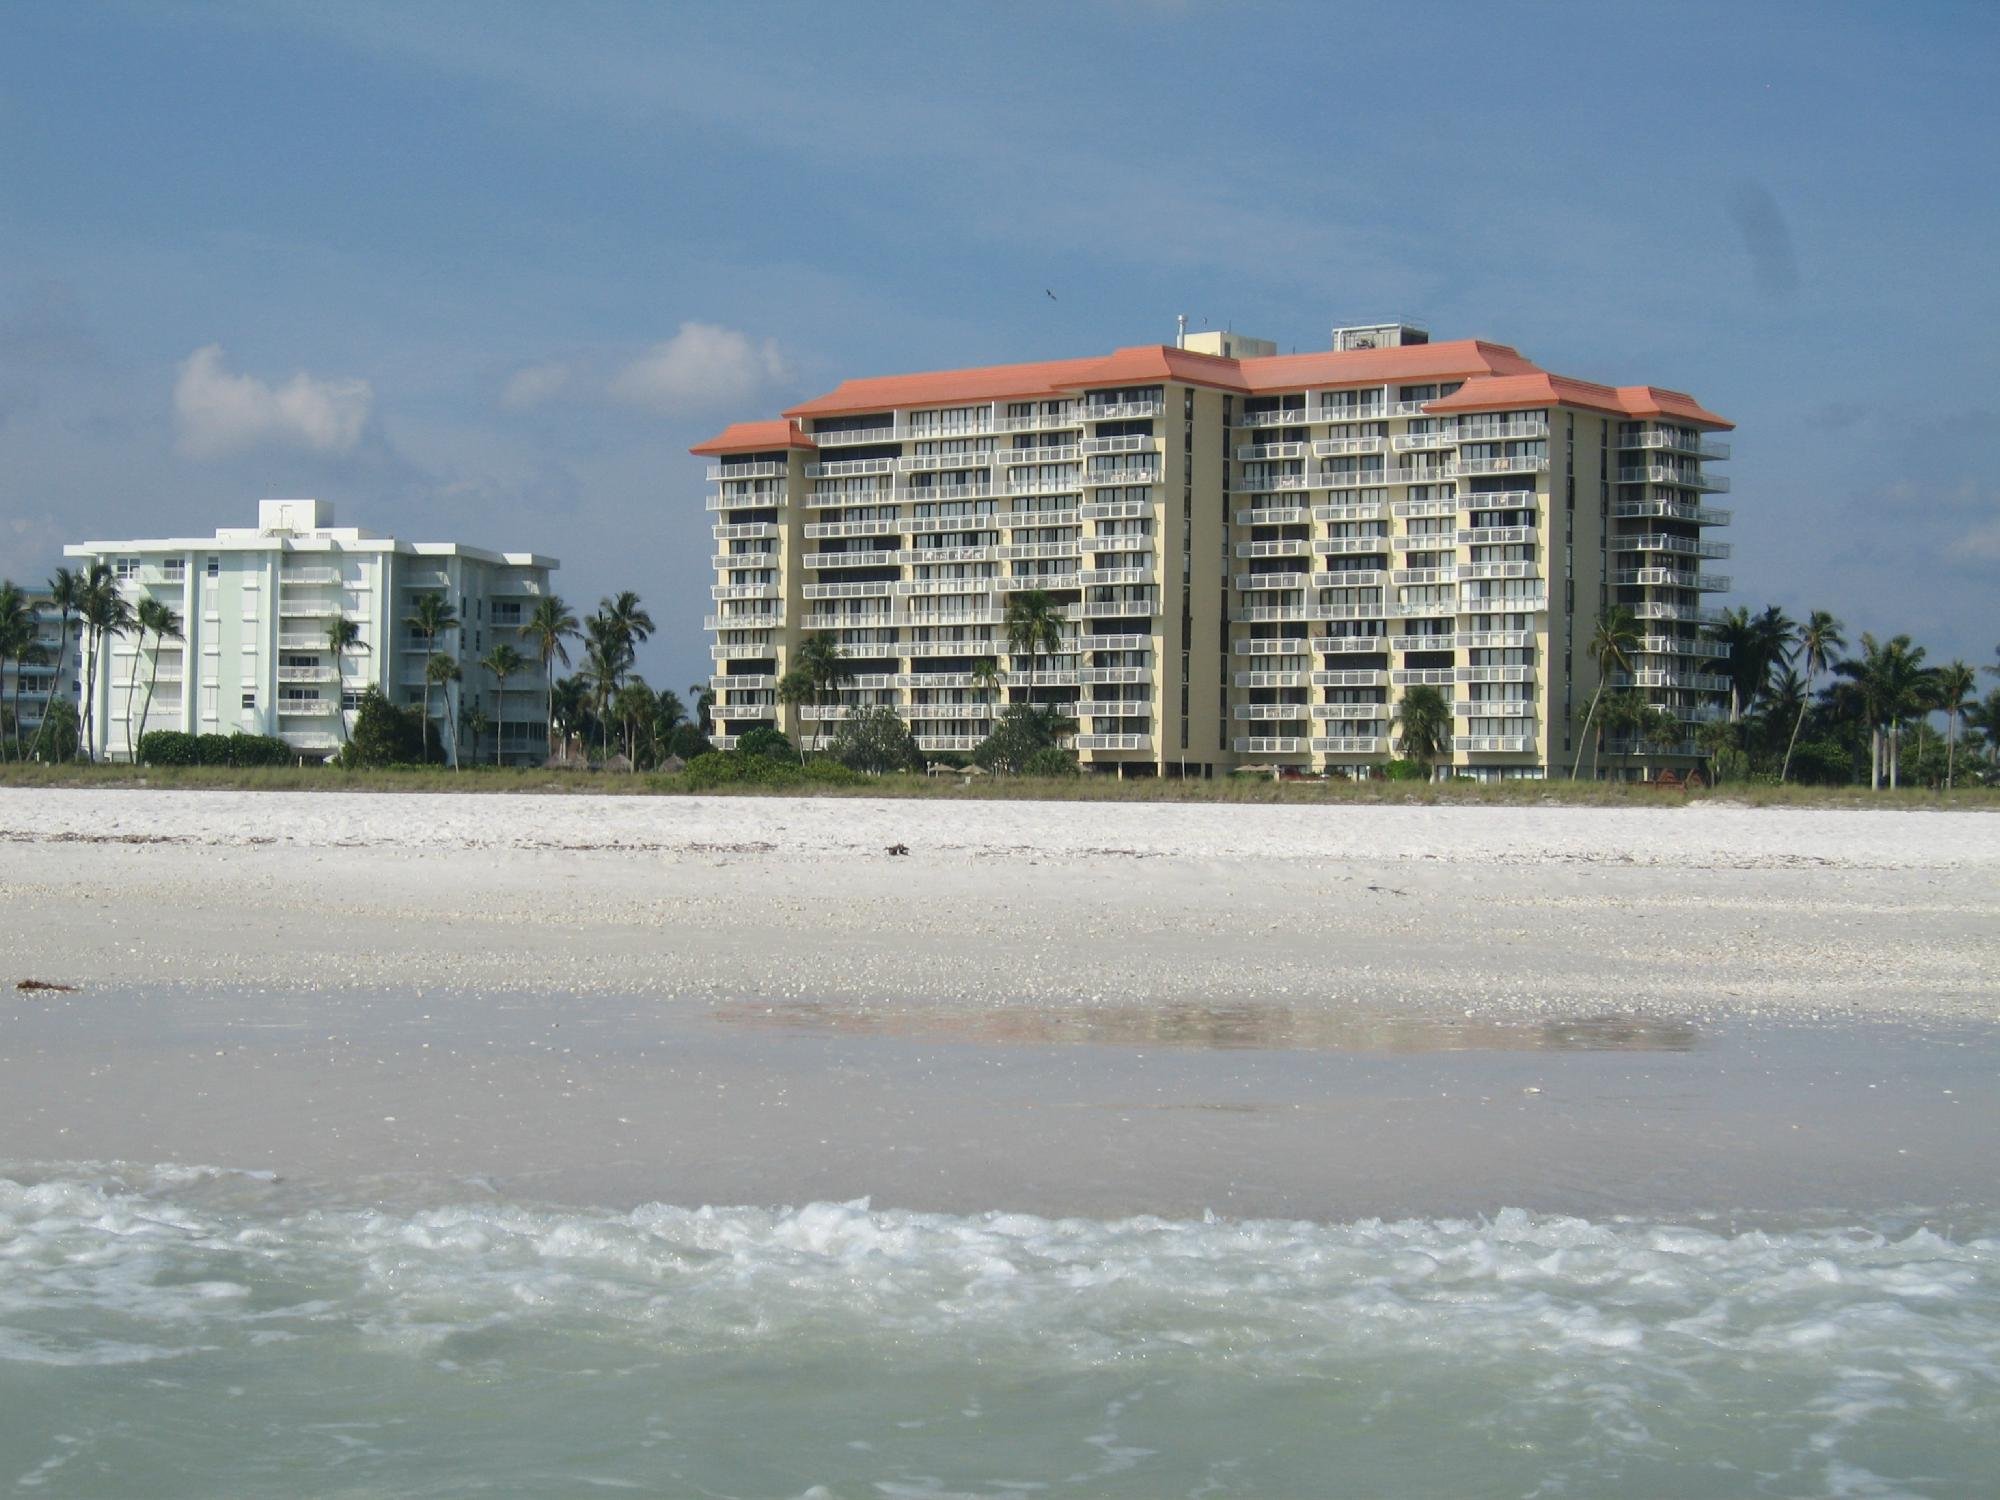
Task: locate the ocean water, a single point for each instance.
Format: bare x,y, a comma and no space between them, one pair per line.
191,1332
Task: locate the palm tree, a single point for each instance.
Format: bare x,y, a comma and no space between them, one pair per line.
550,624
987,679
605,659
627,622
1756,645
430,617
1889,684
669,713
1613,646
503,661
17,640
572,709
343,635
1426,720
156,616
703,694
65,594
1954,685
1818,643
440,672
635,704
106,614
824,670
1034,629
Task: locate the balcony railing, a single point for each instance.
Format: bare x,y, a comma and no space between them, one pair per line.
1114,742
860,559
1262,744
1673,440
1492,744
765,469
1661,508
1336,447
1253,453
1273,515
1266,712
1115,410
1666,474
1672,578
1685,546
766,500
1348,744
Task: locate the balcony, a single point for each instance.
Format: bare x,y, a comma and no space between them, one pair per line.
764,500
935,556
306,707
1683,546
1266,484
1044,486
1065,453
1111,708
1478,430
876,589
1114,742
1495,708
1421,442
927,493
1350,546
313,577
926,463
1350,645
1498,536
746,591
858,559
1112,609
1111,411
1359,578
1407,577
748,682
1269,745
1114,643
1364,510
1112,676
315,610
1295,679
1498,500
855,436
1423,677
765,469
1688,479
1697,682
1130,443
1335,447
1028,551
1497,640
1259,453
1021,583
747,531
1361,678
1661,508
1498,604
1285,646
1292,547
848,468
819,530
1496,674
1689,613
1131,546
1491,744
1373,411
1267,712
1426,642
309,674
1114,510
740,711
1520,464
1265,582
1348,744
767,621
1671,578
1273,515
1474,571
1673,440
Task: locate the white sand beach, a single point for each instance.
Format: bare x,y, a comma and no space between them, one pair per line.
1510,913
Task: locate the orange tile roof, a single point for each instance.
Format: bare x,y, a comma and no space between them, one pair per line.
1496,376
1456,360
1510,392
755,437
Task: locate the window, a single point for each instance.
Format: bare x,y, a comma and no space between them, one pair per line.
175,569
125,567
350,701
214,567
249,700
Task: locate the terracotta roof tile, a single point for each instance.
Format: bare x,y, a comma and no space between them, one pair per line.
755,437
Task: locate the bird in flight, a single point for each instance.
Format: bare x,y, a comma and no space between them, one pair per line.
1049,294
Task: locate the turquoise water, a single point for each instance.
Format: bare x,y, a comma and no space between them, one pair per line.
170,1332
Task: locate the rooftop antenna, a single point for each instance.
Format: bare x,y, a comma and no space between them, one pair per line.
1180,330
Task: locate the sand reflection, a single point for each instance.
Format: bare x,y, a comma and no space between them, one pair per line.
1240,1025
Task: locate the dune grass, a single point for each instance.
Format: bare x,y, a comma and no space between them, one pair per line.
520,781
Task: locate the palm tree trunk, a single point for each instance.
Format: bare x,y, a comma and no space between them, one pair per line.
1586,732
1895,755
146,708
131,689
62,659
85,749
1798,723
499,714
1874,757
1950,746
549,709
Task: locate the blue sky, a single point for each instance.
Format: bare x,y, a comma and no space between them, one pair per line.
485,272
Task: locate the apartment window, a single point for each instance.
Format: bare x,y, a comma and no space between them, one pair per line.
350,700
215,567
249,700
175,569
125,567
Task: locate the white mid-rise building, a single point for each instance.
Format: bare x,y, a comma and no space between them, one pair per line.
255,604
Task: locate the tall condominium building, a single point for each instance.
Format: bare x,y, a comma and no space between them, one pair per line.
1256,554
255,603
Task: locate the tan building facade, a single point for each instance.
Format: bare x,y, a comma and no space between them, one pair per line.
1256,554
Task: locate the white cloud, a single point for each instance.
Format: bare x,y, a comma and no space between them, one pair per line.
701,365
218,412
1982,542
534,385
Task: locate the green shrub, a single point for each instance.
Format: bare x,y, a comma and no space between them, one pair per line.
383,734
258,750
167,747
1022,730
1051,760
1404,770
730,768
212,749
57,733
766,742
687,741
875,740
